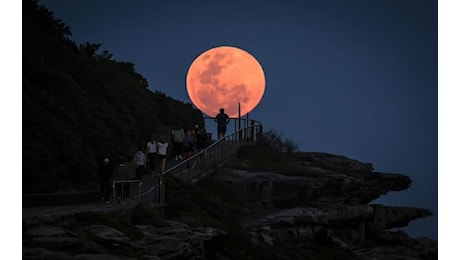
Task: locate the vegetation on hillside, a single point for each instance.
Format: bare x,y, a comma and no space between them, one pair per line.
80,105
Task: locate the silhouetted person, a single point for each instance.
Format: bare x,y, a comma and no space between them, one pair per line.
151,152
105,174
200,136
139,162
195,131
178,138
189,143
162,146
222,120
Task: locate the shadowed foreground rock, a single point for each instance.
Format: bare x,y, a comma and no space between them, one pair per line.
73,237
326,207
330,206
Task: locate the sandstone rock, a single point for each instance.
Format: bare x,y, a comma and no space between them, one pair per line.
292,217
328,205
331,206
349,212
336,163
105,233
83,240
386,217
46,231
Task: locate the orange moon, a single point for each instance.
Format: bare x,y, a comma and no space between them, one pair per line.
224,76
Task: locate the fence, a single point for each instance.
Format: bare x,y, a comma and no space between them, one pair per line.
203,162
120,188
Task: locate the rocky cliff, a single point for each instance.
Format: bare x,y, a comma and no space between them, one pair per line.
330,205
322,210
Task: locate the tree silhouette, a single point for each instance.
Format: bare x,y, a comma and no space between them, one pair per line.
80,106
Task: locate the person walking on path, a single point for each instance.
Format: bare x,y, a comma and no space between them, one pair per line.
139,162
178,137
162,153
222,120
151,152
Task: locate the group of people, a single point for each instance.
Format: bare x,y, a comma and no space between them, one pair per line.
184,143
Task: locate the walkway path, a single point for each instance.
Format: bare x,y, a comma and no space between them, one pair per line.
147,180
210,158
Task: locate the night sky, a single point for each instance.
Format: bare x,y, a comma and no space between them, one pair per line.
353,78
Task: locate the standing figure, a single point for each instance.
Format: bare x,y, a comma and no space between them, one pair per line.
105,174
189,143
178,137
222,120
151,154
121,173
139,162
162,146
196,130
200,136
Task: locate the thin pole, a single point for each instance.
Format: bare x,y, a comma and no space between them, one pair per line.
162,190
113,194
239,119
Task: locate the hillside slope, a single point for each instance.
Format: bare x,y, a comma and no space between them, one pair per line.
80,105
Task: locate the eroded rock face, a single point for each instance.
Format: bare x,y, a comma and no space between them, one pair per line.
172,240
328,187
394,217
336,163
330,205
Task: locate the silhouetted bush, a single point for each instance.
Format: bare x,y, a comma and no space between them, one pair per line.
274,140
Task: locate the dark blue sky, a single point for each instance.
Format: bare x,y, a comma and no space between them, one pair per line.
353,78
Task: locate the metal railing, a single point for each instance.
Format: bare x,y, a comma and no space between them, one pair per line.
126,184
240,122
202,162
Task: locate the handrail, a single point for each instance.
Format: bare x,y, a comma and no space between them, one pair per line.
130,182
237,122
199,164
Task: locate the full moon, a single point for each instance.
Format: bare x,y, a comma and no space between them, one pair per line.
223,77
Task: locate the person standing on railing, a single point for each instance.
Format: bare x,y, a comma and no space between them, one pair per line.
222,120
162,153
151,152
178,137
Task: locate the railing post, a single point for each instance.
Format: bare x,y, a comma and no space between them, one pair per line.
223,150
139,188
130,191
205,160
123,191
252,131
113,194
161,183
